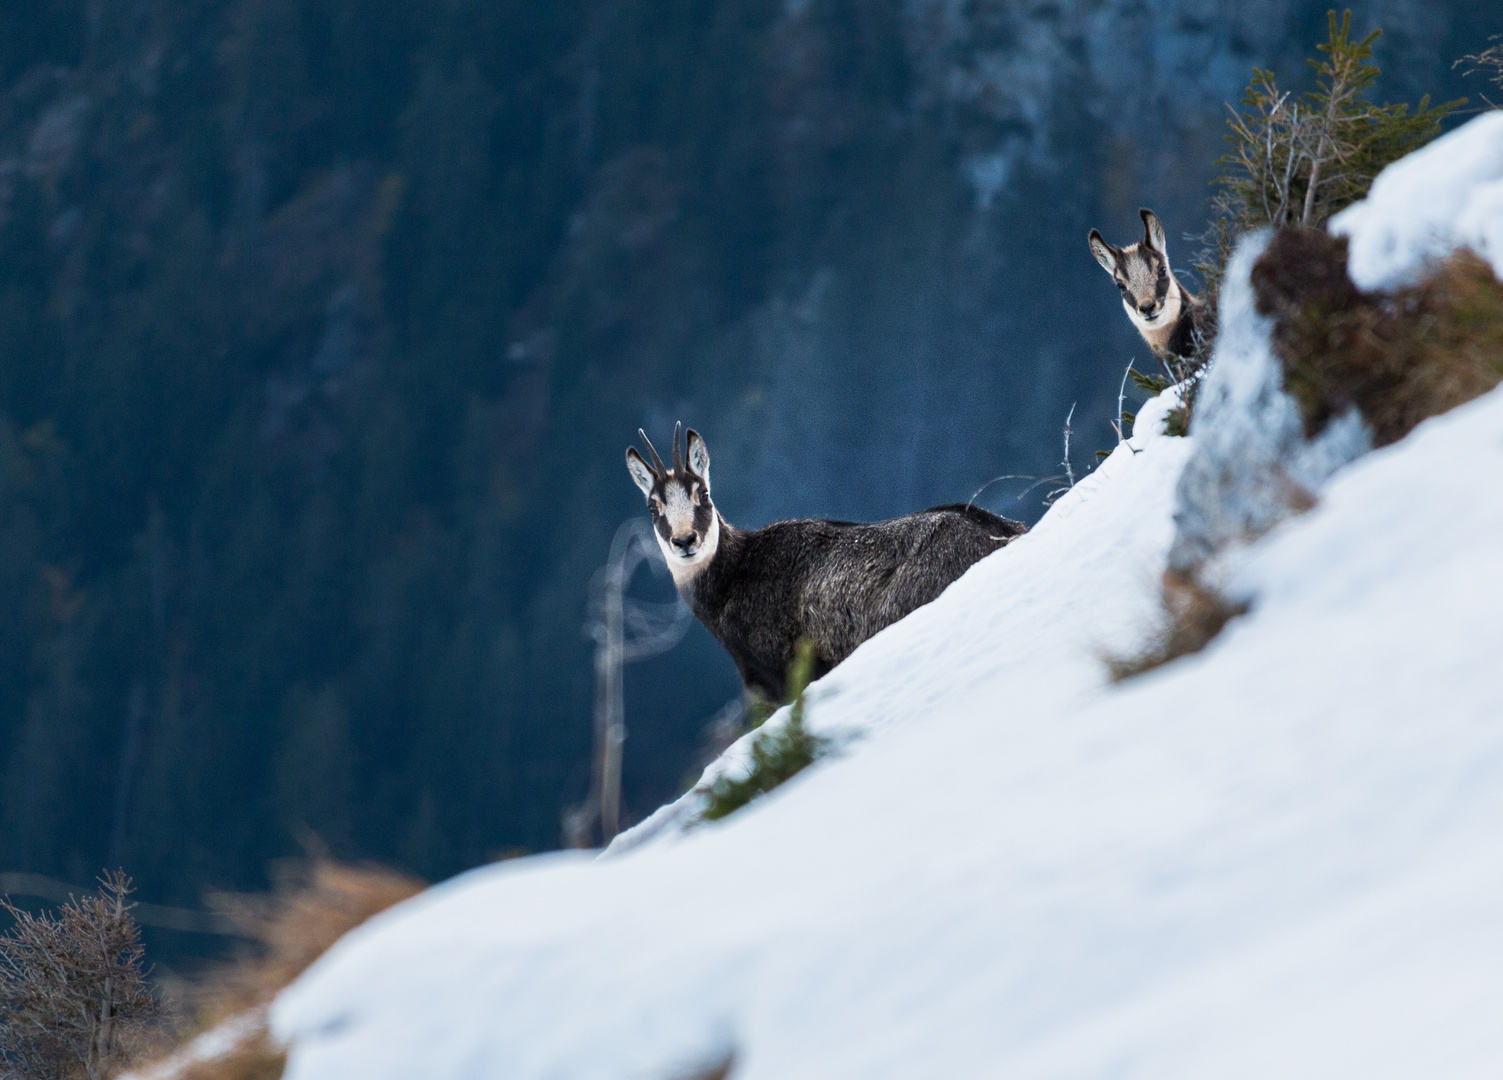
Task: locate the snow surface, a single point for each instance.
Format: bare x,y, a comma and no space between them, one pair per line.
1443,196
1282,856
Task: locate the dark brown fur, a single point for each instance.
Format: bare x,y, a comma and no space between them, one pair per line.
760,591
836,582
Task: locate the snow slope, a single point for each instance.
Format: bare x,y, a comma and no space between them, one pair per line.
1280,857
1081,583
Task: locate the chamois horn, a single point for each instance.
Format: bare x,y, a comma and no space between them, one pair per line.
678,453
657,462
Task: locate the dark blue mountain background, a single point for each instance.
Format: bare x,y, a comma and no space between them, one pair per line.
324,325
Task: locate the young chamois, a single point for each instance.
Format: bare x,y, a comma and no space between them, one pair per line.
1160,307
759,591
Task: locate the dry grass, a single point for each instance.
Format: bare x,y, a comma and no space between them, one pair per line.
315,903
253,1058
1194,614
1399,358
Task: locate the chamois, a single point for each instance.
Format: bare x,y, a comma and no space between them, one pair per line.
1160,307
759,591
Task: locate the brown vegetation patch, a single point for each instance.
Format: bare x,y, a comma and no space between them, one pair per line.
1194,614
314,904
1400,357
254,1058
719,1070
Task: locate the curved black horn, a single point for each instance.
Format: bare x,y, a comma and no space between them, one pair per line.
657,462
678,453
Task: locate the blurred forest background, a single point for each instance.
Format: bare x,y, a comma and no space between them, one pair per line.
324,324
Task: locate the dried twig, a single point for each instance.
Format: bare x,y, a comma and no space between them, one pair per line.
1069,476
1069,469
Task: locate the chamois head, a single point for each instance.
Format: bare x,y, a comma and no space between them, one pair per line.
683,517
1149,291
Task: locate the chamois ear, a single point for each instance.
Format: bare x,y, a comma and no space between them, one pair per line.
641,472
1105,254
1153,231
699,457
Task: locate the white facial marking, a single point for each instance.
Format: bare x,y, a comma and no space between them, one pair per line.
678,509
685,568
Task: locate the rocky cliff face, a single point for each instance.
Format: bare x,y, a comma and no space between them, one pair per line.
979,319
1155,74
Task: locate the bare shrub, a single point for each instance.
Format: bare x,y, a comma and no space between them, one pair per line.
1194,615
73,994
1399,357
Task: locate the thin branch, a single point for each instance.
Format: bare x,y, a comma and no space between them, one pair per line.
1009,476
1069,469
1121,393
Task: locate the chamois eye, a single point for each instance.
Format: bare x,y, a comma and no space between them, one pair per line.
654,509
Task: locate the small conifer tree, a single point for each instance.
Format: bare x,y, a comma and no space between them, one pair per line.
1299,160
778,754
73,994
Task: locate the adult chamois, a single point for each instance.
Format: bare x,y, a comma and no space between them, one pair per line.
759,591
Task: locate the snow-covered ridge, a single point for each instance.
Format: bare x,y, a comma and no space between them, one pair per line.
1280,857
1444,196
1283,856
